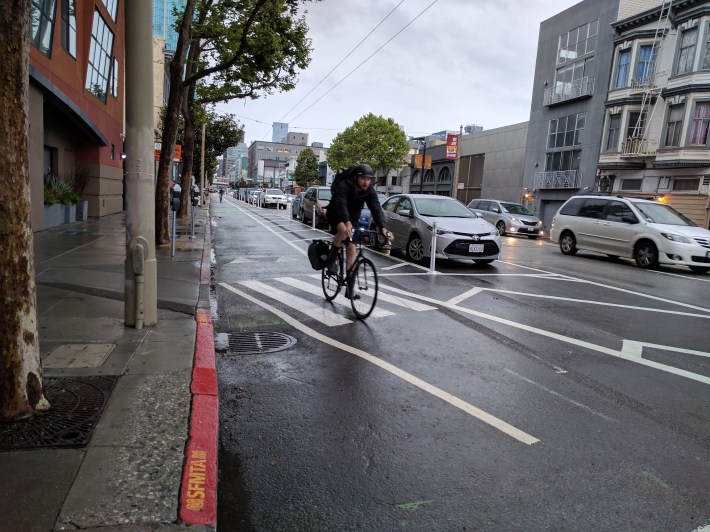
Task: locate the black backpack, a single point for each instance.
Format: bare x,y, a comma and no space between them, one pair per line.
318,254
340,175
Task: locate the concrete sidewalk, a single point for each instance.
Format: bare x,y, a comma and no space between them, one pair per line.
126,473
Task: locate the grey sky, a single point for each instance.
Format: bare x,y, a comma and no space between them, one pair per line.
460,62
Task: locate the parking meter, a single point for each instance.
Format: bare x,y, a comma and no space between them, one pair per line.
175,197
194,195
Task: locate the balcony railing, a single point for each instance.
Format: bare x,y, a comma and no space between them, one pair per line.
569,91
559,179
654,81
637,147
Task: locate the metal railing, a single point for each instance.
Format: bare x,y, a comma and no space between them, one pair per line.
558,179
653,81
569,90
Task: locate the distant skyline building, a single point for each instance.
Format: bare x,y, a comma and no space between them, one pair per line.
164,20
279,131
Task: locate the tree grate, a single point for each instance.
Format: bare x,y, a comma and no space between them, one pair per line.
76,404
251,343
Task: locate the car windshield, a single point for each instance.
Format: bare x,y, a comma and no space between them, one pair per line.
274,192
442,208
516,208
324,194
657,213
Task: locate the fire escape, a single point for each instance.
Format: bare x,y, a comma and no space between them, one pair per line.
649,84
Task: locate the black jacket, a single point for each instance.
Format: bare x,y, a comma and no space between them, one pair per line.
346,203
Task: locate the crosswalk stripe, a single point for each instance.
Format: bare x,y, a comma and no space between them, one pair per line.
340,300
317,312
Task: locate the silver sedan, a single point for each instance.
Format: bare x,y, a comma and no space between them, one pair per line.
460,233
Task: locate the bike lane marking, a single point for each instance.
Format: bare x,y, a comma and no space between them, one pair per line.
474,411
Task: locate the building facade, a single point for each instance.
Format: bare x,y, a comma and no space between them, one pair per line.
164,21
274,162
77,102
572,70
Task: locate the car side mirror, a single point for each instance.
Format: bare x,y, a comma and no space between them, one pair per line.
629,219
405,212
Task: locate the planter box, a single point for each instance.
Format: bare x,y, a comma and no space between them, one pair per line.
82,210
70,213
53,215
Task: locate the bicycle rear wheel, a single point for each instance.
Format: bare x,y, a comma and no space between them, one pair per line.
363,288
330,284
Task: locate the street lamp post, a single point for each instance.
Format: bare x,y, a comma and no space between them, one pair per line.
422,141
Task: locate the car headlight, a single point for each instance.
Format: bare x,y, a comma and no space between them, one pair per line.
494,233
514,219
676,238
439,231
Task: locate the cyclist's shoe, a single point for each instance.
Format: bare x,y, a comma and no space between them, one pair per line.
349,289
332,262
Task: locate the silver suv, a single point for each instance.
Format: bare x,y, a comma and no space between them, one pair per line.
648,231
508,217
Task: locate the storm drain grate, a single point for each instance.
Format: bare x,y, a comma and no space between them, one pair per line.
76,404
250,343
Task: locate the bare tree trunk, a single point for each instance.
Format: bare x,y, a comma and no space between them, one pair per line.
188,150
170,128
21,391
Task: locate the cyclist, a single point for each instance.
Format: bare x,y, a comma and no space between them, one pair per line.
349,196
221,193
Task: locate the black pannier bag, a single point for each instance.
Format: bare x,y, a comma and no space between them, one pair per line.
318,254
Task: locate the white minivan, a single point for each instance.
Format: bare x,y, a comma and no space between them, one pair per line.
648,231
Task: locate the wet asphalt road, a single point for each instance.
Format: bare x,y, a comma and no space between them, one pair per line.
542,392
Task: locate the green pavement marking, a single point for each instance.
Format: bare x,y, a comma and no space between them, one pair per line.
413,505
258,322
652,480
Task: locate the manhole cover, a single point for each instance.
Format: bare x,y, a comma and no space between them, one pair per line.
249,343
77,403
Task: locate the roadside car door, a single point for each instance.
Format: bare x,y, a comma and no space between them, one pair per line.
482,209
393,220
589,228
617,229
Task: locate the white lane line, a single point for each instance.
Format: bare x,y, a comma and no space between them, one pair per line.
633,348
402,302
340,300
317,312
479,414
564,398
602,303
566,339
394,266
469,293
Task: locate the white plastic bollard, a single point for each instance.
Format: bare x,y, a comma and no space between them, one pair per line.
432,251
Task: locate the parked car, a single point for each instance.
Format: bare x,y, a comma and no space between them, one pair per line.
318,197
366,222
648,231
296,206
460,233
508,217
274,197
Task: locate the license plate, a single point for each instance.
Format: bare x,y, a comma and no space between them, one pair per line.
475,248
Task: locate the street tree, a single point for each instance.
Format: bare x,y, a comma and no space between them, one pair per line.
373,140
242,49
21,393
306,167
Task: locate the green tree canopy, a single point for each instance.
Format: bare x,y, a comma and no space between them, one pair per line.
306,167
373,140
221,132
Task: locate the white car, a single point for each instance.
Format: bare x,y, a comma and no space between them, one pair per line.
648,231
460,233
274,197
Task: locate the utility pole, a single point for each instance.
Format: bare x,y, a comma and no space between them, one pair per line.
141,278
457,164
202,168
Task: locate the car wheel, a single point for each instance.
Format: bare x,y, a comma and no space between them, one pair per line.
302,215
486,261
415,248
699,269
568,244
646,255
294,214
501,228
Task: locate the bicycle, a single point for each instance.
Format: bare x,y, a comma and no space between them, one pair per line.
360,282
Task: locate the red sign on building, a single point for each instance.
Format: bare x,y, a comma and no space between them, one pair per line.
452,146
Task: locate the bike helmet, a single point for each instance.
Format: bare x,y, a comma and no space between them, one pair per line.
363,169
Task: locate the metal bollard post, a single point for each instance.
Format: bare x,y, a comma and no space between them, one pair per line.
192,221
313,220
172,250
432,251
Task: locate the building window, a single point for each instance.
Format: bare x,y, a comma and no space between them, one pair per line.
114,78
429,176
561,161
631,184
645,65
612,135
112,8
69,27
706,61
565,131
701,119
566,75
579,41
415,176
686,185
674,126
687,51
99,66
445,174
622,69
42,25
637,125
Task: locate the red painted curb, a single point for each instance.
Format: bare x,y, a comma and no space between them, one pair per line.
198,493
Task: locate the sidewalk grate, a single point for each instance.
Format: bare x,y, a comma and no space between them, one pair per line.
250,343
76,404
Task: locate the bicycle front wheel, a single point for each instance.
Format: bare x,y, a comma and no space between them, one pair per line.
330,284
363,288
